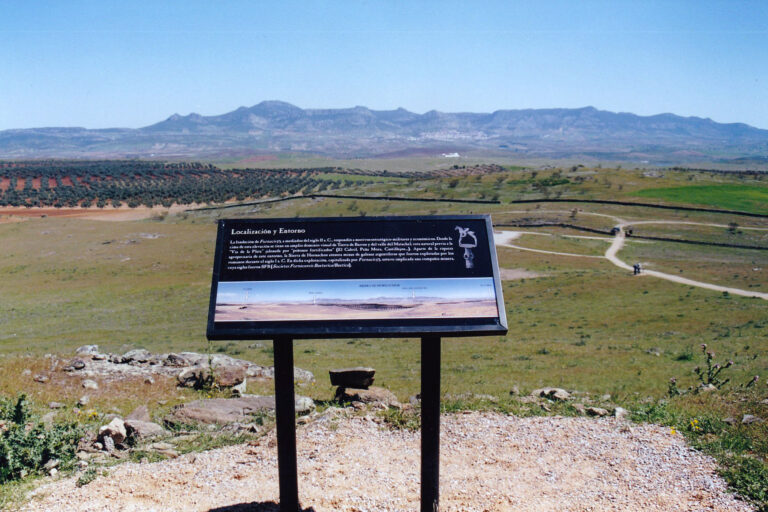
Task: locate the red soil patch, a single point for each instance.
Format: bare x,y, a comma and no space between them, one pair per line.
36,183
20,184
66,181
51,182
5,183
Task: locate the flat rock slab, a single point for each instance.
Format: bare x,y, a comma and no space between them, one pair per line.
221,410
360,377
372,395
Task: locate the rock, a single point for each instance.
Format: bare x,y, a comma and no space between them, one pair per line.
580,408
138,429
515,391
372,395
304,405
189,377
707,388
605,398
109,445
181,360
56,405
220,410
90,384
229,375
166,449
87,350
26,372
358,378
729,421
53,471
149,380
74,365
83,401
99,357
141,413
240,389
114,430
620,412
748,419
597,411
51,464
552,394
42,379
138,355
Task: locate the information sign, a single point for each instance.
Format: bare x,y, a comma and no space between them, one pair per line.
363,276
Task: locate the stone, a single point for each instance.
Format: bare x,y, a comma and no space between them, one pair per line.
51,464
140,413
229,375
220,410
138,429
90,384
42,379
56,405
620,412
138,355
26,372
87,350
83,401
357,378
149,380
189,377
729,421
580,408
372,395
605,398
515,391
74,365
597,411
114,430
109,444
240,389
748,419
304,405
166,449
708,388
551,393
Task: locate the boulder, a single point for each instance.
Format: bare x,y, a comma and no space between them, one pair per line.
304,405
580,408
220,410
748,419
372,395
597,411
87,350
42,379
90,384
74,365
56,405
141,413
83,401
138,355
357,378
114,430
138,429
229,376
552,393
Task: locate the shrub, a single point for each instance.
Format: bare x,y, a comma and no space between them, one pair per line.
26,444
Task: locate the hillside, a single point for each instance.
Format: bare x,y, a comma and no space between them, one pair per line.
277,127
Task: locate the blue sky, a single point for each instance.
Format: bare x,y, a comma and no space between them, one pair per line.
129,64
353,289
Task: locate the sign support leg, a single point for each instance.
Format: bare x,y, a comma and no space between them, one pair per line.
430,424
285,412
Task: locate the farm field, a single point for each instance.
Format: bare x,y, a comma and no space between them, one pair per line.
580,323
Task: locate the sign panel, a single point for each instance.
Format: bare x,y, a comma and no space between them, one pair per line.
350,277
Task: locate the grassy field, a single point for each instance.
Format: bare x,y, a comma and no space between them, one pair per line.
584,324
748,198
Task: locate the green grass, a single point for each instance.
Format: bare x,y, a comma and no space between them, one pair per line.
748,198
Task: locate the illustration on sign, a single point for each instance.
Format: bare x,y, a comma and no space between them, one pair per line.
464,234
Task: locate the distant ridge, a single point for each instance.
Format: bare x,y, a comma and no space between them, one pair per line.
280,127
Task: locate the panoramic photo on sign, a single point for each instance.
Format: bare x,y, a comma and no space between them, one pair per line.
353,276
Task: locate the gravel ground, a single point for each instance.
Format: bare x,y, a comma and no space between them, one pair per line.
489,462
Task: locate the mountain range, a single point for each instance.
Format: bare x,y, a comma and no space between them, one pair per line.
276,127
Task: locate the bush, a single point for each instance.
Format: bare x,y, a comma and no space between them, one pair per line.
26,444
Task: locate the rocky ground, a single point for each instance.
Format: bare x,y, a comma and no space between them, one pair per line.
349,461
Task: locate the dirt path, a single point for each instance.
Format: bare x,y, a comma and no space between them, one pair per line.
489,462
618,243
504,238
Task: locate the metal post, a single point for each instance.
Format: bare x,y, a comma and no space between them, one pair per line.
285,412
430,424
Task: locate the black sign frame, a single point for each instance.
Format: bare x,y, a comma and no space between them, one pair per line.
399,327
